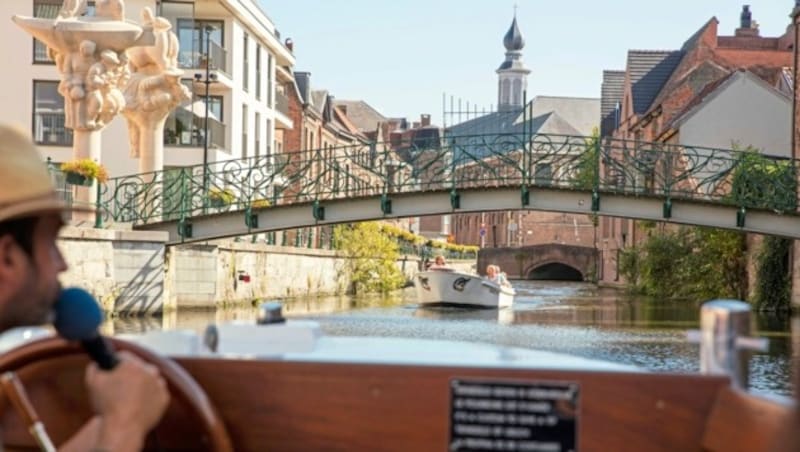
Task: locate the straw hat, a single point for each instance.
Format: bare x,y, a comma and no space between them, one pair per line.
25,185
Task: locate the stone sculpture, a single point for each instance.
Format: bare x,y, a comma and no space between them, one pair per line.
109,65
155,86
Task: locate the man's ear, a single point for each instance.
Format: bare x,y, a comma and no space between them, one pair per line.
11,259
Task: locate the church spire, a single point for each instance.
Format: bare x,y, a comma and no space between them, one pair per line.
512,73
513,40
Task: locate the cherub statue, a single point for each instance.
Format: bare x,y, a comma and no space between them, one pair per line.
155,87
104,99
111,9
72,8
72,86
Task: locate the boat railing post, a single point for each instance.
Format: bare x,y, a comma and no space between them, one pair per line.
725,341
270,312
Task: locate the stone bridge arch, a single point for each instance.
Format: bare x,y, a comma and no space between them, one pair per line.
549,261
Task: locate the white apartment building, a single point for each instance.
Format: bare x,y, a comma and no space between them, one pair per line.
246,55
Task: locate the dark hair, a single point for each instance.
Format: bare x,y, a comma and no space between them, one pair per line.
21,229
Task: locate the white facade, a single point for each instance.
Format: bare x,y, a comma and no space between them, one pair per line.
744,111
183,145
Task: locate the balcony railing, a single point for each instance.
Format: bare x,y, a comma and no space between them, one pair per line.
192,59
184,128
282,103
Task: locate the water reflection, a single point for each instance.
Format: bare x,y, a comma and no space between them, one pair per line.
573,318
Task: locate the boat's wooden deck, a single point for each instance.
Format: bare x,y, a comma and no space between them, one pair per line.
276,405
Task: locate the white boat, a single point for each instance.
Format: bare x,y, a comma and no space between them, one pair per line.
443,287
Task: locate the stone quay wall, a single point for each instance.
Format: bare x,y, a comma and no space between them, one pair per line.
134,272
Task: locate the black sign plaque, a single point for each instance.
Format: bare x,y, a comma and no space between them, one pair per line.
513,416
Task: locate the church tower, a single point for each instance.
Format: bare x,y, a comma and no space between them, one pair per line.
512,74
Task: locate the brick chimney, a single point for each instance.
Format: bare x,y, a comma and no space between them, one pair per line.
425,120
747,26
415,125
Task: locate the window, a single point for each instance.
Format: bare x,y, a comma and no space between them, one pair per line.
185,125
257,122
193,45
244,131
258,72
517,92
47,9
246,63
543,174
48,115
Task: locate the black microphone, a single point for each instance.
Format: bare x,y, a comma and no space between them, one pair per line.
77,317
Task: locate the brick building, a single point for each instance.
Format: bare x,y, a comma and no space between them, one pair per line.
715,91
326,144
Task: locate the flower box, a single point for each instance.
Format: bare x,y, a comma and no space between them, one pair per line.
79,179
84,172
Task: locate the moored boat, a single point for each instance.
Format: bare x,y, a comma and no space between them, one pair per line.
444,287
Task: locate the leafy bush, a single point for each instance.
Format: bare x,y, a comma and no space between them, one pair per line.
372,257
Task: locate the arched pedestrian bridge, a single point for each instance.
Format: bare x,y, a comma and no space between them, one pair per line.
476,173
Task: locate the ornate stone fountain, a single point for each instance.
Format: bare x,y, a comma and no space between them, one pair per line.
110,65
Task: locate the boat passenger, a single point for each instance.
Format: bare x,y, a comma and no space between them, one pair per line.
130,399
494,275
439,264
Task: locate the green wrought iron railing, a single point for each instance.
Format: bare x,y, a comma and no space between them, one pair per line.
672,172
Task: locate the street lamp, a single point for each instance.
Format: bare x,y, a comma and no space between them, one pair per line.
207,79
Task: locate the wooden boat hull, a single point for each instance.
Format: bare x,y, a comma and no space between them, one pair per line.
293,405
437,287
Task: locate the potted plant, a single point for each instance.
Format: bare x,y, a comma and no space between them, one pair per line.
84,172
218,197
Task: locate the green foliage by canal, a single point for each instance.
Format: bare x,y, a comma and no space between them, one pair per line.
761,181
588,164
704,263
371,257
690,263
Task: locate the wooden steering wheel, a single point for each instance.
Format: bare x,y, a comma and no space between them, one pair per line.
52,371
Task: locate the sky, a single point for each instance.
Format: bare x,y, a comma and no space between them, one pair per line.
402,56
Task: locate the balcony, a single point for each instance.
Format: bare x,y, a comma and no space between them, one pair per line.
282,108
194,59
282,103
184,128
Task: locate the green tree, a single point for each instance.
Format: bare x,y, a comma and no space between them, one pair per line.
691,263
718,264
371,257
663,268
773,281
587,165
763,182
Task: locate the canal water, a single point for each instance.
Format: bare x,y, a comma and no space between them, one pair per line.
574,318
